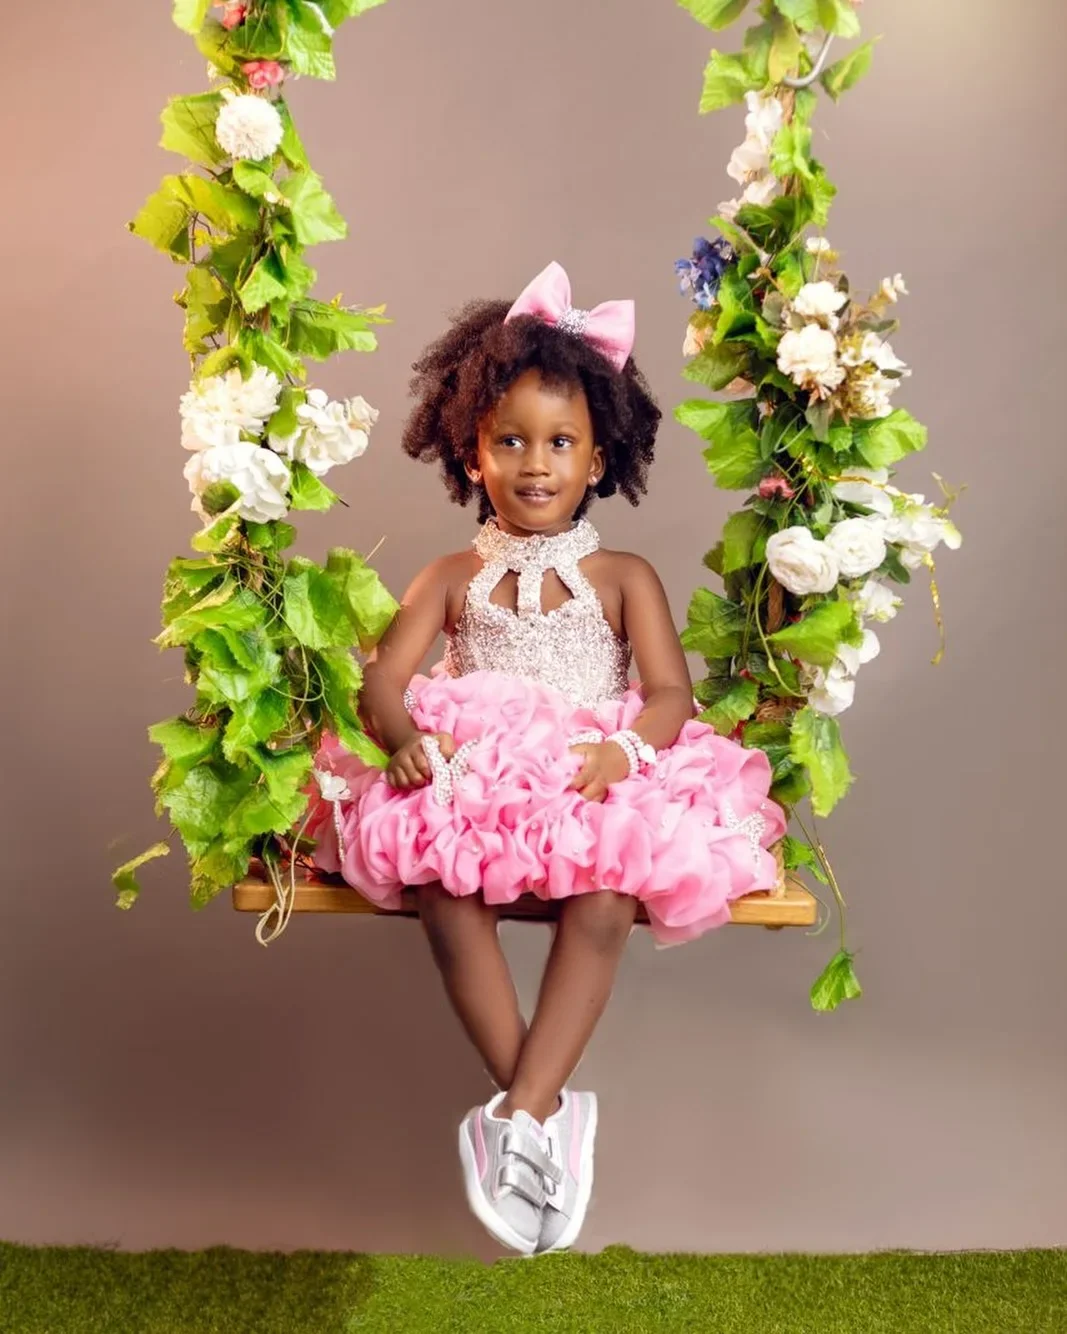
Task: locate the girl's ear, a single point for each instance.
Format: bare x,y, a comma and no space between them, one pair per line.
473,473
596,466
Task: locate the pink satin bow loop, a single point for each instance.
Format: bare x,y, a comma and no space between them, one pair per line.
610,326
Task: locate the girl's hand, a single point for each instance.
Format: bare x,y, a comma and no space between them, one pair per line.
605,763
408,766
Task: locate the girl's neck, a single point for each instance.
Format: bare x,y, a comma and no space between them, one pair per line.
520,534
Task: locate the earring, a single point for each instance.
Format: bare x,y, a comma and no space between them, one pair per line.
474,475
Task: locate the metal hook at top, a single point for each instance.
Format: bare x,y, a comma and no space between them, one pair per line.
816,69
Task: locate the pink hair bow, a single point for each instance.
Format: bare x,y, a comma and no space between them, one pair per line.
610,326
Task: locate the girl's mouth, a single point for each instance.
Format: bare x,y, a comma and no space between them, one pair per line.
534,495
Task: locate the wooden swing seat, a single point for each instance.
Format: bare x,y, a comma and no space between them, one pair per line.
323,892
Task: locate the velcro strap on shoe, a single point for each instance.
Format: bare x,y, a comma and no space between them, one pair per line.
520,1178
523,1145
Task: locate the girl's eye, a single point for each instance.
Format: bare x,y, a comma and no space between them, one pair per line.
508,440
563,441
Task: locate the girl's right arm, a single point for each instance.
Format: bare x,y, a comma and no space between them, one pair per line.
421,618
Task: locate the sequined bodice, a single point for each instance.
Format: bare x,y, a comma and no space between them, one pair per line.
571,648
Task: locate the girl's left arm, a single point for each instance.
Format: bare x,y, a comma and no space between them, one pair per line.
658,655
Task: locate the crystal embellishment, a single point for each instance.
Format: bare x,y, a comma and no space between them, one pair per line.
573,321
752,826
572,648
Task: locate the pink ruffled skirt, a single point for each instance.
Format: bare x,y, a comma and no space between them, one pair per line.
685,838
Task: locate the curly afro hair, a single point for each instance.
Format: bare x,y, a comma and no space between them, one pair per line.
463,375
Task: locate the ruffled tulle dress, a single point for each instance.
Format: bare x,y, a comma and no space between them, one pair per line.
516,688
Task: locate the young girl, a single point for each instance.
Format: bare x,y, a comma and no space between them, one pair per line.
526,763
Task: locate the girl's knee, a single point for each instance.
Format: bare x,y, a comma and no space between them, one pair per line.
602,920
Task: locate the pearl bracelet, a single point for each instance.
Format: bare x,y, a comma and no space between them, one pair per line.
639,754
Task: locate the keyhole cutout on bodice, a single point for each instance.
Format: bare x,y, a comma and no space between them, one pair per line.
554,592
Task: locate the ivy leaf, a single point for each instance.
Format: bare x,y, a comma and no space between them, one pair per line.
726,81
207,306
744,540
337,11
734,706
715,366
341,680
786,48
815,743
219,867
184,745
317,329
820,192
226,606
790,151
291,147
836,983
189,128
773,739
816,637
733,456
714,627
309,43
255,720
840,77
804,13
371,607
200,805
791,784
714,14
314,214
263,285
736,307
189,15
309,492
314,607
838,17
796,853
256,180
163,222
266,350
125,881
886,440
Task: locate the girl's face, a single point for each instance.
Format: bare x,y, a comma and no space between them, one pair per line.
537,457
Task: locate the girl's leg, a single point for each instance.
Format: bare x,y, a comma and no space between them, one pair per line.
463,937
590,938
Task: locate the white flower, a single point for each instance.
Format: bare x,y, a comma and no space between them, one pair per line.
918,528
748,161
261,478
765,118
249,127
809,357
858,545
867,487
876,602
892,286
332,786
760,191
728,208
800,562
817,245
217,409
329,433
868,394
852,657
871,348
819,300
360,412
832,690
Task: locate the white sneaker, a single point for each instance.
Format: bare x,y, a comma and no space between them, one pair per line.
506,1165
571,1132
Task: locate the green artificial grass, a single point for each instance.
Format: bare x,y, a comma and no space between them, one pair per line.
59,1290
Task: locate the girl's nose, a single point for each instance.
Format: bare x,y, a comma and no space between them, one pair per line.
535,460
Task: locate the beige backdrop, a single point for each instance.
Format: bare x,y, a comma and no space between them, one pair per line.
167,1082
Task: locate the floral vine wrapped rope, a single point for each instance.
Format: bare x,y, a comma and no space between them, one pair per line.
808,425
266,638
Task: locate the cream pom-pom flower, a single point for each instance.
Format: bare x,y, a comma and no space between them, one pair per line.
260,476
249,127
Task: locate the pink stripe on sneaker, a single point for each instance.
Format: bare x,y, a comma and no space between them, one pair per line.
576,1137
481,1158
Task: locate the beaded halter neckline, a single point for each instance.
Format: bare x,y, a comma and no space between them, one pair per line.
536,552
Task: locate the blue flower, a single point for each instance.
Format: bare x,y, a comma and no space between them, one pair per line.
702,273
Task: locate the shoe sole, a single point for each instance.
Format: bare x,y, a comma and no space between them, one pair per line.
480,1206
569,1235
